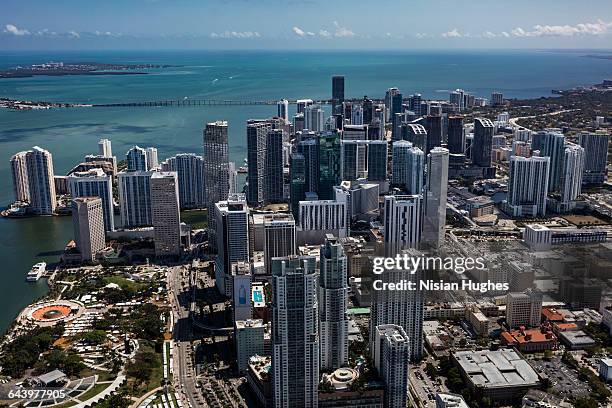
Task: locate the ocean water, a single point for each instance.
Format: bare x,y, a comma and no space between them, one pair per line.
241,75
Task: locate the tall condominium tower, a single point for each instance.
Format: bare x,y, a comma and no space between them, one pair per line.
88,224
337,94
528,186
329,164
310,149
189,168
314,118
297,182
415,134
391,355
258,142
596,156
19,170
407,167
377,160
283,110
333,301
273,171
433,124
279,238
105,148
497,99
456,136
165,213
295,334
368,110
402,221
353,159
135,198
216,159
551,144
483,142
137,159
94,183
152,160
571,179
232,234
41,183
435,197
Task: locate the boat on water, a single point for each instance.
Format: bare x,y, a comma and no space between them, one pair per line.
36,272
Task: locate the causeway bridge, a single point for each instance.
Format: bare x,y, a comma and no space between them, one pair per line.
197,102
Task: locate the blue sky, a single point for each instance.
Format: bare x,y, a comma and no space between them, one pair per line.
294,24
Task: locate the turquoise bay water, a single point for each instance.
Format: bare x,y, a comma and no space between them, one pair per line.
248,75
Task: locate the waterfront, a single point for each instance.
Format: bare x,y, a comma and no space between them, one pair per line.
69,134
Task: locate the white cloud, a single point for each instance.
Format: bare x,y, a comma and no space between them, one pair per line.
597,28
324,33
74,34
342,31
452,34
505,34
12,29
236,34
338,32
299,32
489,34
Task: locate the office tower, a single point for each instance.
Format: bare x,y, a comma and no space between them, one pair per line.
323,216
551,144
571,179
309,148
314,118
298,122
329,164
377,160
302,104
232,235
433,125
19,170
279,238
41,184
407,164
337,94
457,98
497,99
232,178
88,224
393,102
216,159
297,180
415,104
368,112
355,132
397,122
135,198
283,110
596,156
295,334
391,355
415,134
249,335
257,132
165,214
356,115
152,160
524,309
527,186
137,159
456,137
347,111
353,159
361,197
104,148
435,197
333,302
240,288
402,227
189,168
273,171
404,308
94,183
483,142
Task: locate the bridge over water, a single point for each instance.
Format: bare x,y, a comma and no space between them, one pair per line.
197,102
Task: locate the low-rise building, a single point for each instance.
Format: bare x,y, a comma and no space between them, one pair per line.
605,369
530,341
576,340
450,401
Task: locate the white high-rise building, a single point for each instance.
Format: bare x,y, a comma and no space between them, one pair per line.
283,110
249,336
402,221
527,186
391,355
137,159
88,224
232,235
41,183
165,213
435,197
596,156
357,115
314,118
19,170
324,216
94,183
190,171
152,160
524,309
135,198
571,179
104,148
279,238
216,159
333,302
295,335
407,167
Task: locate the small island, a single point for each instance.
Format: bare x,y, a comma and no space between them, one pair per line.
77,68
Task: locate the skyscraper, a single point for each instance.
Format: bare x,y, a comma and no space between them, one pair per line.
323,216
258,141
333,301
377,160
309,148
402,221
435,197
337,94
189,168
273,171
391,355
104,148
165,214
353,159
283,110
295,334
415,134
527,186
571,180
368,111
137,159
94,183
433,124
314,118
551,144
329,164
19,170
88,224
279,237
297,180
41,183
152,160
497,99
596,156
456,136
483,142
135,198
524,309
232,234
407,167
216,171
